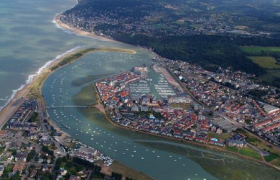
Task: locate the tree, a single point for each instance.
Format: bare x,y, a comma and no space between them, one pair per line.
14,152
16,176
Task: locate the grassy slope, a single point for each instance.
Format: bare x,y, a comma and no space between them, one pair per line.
250,152
233,149
271,157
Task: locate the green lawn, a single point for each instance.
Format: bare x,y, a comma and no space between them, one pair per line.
9,167
265,61
253,140
259,49
71,168
250,152
276,162
223,136
271,157
232,149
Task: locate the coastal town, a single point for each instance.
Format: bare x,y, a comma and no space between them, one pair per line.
161,21
234,95
171,99
140,90
33,148
187,103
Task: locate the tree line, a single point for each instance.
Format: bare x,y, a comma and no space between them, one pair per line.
210,52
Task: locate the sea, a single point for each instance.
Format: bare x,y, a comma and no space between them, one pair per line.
30,40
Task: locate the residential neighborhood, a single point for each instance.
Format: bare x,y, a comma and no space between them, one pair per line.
32,148
219,108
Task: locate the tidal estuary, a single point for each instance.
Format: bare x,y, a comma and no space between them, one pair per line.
29,39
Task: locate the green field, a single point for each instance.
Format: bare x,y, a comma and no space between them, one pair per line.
250,153
232,149
259,49
265,57
265,61
271,157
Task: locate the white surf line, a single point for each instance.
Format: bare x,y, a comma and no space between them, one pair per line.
96,37
32,76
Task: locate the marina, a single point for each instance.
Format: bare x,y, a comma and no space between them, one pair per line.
90,127
94,130
163,88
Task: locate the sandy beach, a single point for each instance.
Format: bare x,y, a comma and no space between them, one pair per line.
38,81
78,31
13,105
21,95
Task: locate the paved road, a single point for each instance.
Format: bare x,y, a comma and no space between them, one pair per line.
41,108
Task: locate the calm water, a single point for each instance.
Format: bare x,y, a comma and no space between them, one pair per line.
154,156
29,39
58,91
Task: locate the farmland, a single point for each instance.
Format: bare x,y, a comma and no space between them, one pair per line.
266,62
267,57
260,49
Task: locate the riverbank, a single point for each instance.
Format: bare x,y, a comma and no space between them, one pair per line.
99,105
101,108
33,90
124,170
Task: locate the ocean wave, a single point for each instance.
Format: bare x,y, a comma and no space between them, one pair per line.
59,27
32,76
96,37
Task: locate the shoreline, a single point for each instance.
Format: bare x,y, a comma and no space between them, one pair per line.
79,32
23,91
103,111
101,108
33,90
19,96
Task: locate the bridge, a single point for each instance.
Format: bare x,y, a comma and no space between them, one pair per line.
64,107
